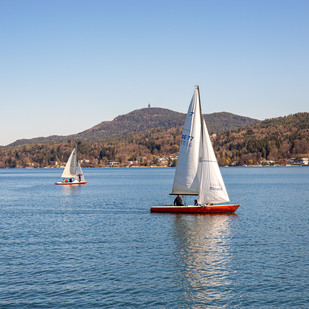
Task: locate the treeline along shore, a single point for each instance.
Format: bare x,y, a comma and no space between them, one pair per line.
279,141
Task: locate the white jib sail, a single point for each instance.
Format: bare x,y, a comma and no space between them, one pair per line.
186,180
70,168
79,173
212,188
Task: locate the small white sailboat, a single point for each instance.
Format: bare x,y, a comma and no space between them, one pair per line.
197,171
72,173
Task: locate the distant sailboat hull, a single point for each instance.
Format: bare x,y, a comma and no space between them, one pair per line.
60,183
209,209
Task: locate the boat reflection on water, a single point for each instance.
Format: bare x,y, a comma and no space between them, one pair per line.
71,190
203,252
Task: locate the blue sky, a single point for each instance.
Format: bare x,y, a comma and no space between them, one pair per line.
67,65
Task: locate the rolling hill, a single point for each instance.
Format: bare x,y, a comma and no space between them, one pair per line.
278,139
145,119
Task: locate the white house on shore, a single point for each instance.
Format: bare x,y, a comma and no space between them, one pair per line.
302,161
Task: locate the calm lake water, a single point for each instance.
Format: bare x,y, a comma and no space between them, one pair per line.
99,246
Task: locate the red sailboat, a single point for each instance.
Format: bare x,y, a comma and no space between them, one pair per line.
197,172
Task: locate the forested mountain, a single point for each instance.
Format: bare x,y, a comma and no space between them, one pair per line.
277,139
144,119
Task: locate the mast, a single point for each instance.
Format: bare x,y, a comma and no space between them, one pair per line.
199,100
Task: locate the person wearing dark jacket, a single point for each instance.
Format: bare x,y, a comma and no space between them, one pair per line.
178,201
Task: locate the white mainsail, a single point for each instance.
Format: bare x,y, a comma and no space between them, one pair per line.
197,170
186,180
70,168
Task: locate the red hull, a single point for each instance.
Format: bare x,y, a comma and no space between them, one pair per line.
196,209
70,183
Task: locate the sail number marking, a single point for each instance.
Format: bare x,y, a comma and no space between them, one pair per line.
186,140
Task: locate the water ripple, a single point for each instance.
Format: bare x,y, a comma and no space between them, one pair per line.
99,246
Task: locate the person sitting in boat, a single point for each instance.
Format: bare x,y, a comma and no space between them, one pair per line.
71,180
66,180
178,201
195,203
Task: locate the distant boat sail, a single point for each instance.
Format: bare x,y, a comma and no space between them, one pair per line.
72,173
197,171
